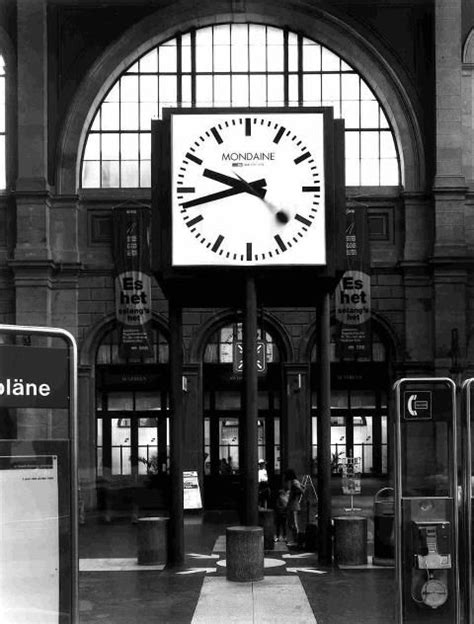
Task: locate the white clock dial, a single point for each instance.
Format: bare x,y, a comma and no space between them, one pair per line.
248,189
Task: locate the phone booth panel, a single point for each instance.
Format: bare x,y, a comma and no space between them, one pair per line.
466,558
426,514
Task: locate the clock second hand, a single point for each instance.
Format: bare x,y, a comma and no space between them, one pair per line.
280,215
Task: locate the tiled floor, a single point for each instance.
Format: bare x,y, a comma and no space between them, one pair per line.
295,589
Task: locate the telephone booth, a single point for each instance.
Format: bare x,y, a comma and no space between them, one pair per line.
466,558
426,502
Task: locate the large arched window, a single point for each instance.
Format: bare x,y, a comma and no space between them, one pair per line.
2,124
235,65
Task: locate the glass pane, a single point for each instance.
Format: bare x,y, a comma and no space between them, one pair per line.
92,151
110,146
369,114
228,446
258,58
293,90
120,401
227,400
258,91
129,119
121,446
91,174
275,90
129,173
362,398
147,400
147,113
110,118
329,61
352,145
369,172
149,62
145,173
312,89
240,91
387,146
129,146
114,93
389,172
352,172
369,144
204,50
167,57
203,90
99,454
168,88
110,173
350,111
363,445
129,88
331,87
275,58
311,56
148,88
292,52
222,58
148,446
222,90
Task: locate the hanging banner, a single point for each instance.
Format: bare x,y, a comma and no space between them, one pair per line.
352,294
133,279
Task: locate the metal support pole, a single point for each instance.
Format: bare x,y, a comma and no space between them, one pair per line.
324,431
176,522
249,437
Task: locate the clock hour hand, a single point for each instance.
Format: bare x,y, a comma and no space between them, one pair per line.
280,215
206,199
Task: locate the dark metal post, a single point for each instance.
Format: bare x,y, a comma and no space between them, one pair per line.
176,522
324,431
249,437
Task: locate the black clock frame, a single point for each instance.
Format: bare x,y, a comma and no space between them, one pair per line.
278,285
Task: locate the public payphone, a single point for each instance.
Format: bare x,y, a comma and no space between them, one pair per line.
426,502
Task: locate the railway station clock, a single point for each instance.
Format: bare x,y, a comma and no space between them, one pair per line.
248,188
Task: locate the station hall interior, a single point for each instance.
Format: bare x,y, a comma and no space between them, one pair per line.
83,84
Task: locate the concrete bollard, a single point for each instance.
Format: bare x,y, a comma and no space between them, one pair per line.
244,553
152,541
350,540
266,519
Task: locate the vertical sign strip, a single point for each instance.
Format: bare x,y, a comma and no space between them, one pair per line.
133,279
352,294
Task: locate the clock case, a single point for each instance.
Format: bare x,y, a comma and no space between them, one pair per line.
221,286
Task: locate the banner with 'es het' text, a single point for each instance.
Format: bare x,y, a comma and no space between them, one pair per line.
352,294
133,279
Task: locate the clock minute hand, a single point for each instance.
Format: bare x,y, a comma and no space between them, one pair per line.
258,184
280,215
236,183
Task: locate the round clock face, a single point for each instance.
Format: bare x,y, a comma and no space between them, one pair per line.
248,189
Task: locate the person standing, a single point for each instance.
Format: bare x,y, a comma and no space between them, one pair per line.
263,487
295,489
281,505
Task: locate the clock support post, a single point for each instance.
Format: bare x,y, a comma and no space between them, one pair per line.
176,521
324,429
249,438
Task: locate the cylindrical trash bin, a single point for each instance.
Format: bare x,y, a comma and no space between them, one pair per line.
152,541
244,553
266,519
384,518
350,540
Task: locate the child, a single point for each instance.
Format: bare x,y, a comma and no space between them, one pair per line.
281,504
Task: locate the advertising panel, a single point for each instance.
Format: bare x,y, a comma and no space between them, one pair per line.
133,279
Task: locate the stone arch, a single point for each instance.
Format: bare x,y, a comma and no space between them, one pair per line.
382,327
381,72
270,323
96,333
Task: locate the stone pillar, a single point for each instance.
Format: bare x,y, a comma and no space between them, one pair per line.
296,421
418,287
32,265
449,190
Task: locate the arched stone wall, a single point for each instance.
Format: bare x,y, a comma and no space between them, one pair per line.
377,69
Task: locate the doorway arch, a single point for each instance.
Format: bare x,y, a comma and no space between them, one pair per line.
223,405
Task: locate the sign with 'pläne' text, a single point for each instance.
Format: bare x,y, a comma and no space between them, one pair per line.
33,377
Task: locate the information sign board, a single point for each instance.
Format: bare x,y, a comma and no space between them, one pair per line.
191,490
